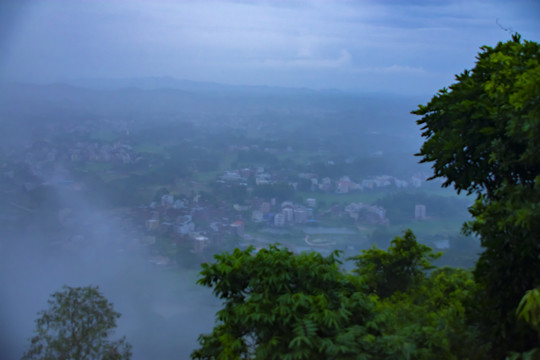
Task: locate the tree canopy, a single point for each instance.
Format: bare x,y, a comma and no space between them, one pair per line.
483,131
77,325
483,136
399,268
278,305
281,305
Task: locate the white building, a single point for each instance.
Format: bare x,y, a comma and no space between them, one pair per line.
257,216
300,215
420,212
288,213
279,220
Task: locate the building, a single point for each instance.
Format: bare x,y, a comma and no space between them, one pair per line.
265,207
238,226
300,215
288,213
420,212
257,216
152,224
279,220
167,200
200,243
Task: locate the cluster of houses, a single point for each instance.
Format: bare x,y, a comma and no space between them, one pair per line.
242,175
366,213
288,213
176,218
344,184
92,151
42,152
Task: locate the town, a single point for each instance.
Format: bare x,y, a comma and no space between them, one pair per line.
183,209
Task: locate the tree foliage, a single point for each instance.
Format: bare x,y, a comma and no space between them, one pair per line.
77,325
278,305
399,268
483,136
483,132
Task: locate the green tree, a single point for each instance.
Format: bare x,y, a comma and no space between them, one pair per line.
483,136
424,308
401,267
278,305
77,325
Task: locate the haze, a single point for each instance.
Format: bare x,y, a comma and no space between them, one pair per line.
388,46
131,132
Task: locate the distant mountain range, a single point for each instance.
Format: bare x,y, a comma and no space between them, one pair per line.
156,83
24,107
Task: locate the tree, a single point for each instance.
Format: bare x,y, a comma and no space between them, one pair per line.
431,317
401,267
278,305
483,136
77,325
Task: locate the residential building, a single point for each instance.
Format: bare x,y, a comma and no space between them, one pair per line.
420,212
279,220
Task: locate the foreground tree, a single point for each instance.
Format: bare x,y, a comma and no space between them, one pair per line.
77,325
483,136
399,268
278,305
424,307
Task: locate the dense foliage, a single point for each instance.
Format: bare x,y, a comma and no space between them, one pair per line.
483,136
77,325
278,305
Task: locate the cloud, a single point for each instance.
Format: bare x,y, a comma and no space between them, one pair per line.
393,69
238,41
343,60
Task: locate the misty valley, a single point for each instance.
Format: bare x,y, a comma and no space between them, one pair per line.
132,185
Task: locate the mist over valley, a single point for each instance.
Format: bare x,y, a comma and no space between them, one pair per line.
131,188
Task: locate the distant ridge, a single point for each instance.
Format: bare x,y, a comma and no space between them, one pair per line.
166,82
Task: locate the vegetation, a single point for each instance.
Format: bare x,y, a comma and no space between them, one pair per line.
77,325
400,268
482,136
278,305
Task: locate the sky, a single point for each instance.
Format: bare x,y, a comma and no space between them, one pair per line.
394,46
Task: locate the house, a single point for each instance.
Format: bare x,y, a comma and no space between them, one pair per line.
288,213
343,185
200,243
151,224
238,227
265,208
233,175
300,215
257,216
326,184
420,212
279,220
184,225
167,200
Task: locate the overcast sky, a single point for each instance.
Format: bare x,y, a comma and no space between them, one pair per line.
389,46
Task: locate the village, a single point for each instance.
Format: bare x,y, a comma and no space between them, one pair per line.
249,205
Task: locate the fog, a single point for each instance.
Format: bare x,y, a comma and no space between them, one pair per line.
81,164
130,130
162,311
